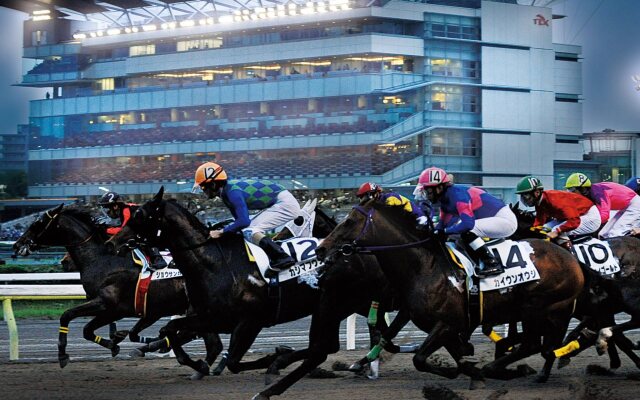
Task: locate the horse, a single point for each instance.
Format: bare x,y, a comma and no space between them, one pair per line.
598,305
225,288
109,281
421,271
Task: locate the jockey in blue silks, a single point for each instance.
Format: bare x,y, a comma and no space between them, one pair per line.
469,211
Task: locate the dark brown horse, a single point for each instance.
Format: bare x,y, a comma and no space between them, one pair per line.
109,281
422,273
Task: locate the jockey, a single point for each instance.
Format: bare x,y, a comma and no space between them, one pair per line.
634,184
370,190
609,196
471,212
116,208
241,195
563,212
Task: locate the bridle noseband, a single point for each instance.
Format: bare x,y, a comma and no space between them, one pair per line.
31,243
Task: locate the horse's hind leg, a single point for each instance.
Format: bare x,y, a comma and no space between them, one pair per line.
241,339
89,308
606,333
89,332
189,324
437,338
142,324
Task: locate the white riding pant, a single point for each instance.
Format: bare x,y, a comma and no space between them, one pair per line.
285,209
624,220
502,225
589,223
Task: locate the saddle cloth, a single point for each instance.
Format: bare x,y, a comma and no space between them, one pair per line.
302,249
146,276
597,255
514,256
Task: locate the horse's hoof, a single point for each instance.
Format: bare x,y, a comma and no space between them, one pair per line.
63,360
115,350
525,370
202,367
355,367
284,350
541,378
119,335
260,396
374,370
216,371
136,353
563,362
601,349
196,376
269,378
476,384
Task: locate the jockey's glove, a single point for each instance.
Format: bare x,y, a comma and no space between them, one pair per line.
422,222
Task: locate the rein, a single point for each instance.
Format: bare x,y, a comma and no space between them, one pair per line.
51,219
353,247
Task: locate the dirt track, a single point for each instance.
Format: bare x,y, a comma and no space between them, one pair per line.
163,378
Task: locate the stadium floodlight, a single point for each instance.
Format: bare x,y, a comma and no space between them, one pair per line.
113,31
41,12
187,23
225,19
210,21
127,30
99,33
104,189
92,34
134,29
79,36
40,17
149,27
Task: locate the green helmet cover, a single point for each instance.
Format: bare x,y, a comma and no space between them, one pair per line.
528,184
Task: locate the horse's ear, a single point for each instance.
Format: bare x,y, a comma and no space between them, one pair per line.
313,204
57,210
158,196
306,204
514,206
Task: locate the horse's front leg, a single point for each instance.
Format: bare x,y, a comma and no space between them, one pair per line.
241,339
89,308
606,333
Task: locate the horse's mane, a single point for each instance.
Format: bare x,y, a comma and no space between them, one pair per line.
407,219
325,216
86,214
191,218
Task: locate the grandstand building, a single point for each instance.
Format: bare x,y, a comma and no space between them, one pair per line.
318,95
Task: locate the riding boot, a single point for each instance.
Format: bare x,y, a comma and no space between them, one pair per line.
279,260
487,263
157,261
565,242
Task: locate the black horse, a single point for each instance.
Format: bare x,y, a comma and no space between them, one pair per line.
225,288
421,271
603,297
109,281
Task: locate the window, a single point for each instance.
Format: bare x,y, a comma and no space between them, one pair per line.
38,38
106,84
142,50
453,143
199,44
452,26
454,98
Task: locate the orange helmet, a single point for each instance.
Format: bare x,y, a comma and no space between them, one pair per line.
209,172
368,188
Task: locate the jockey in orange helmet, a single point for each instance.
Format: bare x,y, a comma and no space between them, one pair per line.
241,195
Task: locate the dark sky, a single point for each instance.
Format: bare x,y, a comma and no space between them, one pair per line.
608,30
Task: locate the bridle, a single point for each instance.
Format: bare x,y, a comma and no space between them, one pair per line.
154,218
32,243
349,249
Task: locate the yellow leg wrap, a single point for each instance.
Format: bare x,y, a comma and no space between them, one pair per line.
63,329
569,348
166,339
97,339
494,336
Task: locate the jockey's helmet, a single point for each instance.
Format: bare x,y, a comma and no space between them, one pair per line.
577,180
110,198
528,184
633,183
433,176
368,189
209,172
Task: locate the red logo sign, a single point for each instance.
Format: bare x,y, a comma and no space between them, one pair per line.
541,20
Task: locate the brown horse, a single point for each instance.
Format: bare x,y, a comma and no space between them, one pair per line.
422,273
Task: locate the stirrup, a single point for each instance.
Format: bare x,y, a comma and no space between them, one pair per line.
489,271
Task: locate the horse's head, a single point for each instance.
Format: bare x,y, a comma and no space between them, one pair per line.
146,224
155,222
38,233
62,226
